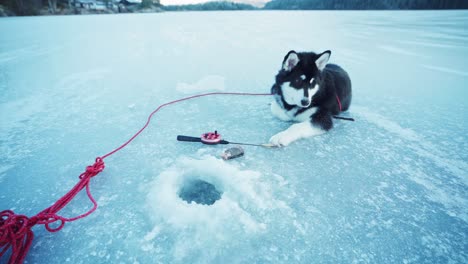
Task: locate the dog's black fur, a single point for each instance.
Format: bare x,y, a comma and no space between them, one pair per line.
333,81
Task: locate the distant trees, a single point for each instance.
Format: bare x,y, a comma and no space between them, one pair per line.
365,4
30,7
327,5
210,6
52,6
146,3
107,3
34,7
23,7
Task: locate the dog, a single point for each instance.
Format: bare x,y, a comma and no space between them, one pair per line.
309,91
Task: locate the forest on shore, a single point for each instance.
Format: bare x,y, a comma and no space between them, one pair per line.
65,7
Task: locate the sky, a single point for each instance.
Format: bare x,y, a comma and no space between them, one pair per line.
184,2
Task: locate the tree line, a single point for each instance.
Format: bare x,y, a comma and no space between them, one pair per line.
365,4
33,7
26,7
210,6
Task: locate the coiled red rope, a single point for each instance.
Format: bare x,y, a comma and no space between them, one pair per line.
15,229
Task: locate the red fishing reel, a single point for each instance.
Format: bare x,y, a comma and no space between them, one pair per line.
211,138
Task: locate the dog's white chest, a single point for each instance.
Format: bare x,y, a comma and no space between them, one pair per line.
291,115
305,115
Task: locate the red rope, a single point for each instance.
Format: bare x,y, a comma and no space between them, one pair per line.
338,100
15,229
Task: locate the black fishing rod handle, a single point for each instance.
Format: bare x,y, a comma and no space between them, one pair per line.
188,139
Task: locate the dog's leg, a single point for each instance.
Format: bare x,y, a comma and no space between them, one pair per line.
295,132
320,122
323,119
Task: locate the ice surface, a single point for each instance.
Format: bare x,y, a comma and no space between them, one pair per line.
208,83
390,187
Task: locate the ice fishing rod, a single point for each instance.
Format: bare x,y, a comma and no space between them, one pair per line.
213,138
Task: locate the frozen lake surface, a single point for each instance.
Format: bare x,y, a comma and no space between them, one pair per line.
391,187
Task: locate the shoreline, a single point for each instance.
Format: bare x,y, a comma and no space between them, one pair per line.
5,12
65,11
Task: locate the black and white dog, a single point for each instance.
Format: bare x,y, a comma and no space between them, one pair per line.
309,91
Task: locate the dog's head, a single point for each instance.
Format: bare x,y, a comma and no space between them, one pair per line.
299,78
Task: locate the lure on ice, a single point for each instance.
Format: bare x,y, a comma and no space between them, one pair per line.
232,153
213,138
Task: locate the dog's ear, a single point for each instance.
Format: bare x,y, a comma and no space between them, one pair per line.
322,59
290,60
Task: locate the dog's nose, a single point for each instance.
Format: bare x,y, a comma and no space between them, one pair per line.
305,102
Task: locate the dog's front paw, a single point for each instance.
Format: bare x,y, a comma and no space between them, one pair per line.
282,139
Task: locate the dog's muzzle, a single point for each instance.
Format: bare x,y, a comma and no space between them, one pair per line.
305,102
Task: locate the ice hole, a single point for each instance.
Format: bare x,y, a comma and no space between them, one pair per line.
199,191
